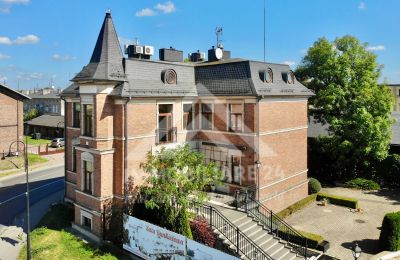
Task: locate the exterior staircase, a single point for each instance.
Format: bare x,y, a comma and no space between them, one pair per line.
252,231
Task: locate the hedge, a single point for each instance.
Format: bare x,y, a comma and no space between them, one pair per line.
297,206
338,200
389,238
313,240
362,184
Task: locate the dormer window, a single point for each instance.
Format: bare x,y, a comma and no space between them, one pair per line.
290,77
266,76
169,77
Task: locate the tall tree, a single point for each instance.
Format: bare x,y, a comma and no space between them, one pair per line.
344,76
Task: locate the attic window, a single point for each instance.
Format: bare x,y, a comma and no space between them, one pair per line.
266,76
169,76
290,77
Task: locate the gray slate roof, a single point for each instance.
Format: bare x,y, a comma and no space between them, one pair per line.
11,92
106,60
143,78
48,121
71,90
317,129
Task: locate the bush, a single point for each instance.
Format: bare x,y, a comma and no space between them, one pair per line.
297,206
182,225
389,170
314,186
389,238
202,232
338,200
313,240
363,184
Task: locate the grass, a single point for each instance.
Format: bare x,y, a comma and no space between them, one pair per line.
50,241
31,141
297,206
10,163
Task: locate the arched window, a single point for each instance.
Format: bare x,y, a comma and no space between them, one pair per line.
267,76
169,76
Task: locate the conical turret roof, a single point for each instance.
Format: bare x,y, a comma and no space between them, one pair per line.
106,60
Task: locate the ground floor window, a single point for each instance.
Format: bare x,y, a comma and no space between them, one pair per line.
88,177
87,222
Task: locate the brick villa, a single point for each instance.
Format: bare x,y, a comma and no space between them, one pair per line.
248,116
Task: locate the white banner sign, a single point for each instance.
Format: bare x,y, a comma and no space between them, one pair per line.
153,242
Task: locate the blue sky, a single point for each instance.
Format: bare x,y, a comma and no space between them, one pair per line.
51,40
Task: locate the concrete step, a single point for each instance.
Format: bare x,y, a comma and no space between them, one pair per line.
281,253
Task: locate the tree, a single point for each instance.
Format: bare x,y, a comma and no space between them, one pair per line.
177,177
344,76
31,114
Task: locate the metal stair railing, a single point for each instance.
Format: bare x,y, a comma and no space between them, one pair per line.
271,221
230,231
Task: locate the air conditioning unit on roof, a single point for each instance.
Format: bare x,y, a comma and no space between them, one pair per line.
148,50
138,49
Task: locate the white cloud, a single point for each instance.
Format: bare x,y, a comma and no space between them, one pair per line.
362,6
15,1
5,10
5,40
145,12
4,56
60,57
375,48
29,76
27,39
289,62
166,8
124,41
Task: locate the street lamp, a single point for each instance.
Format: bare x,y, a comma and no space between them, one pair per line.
28,242
356,250
258,165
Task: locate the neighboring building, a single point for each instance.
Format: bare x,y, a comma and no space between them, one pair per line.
239,113
50,123
396,94
11,119
46,104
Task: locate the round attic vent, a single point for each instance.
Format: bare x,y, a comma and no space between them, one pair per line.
266,76
169,76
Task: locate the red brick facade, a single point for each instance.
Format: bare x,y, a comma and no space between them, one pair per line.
274,132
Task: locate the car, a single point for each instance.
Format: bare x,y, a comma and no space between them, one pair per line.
57,142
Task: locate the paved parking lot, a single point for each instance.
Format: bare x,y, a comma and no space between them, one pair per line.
342,226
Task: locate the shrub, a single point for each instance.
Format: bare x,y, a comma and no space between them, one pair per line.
363,184
314,186
182,225
389,170
297,206
389,238
313,240
202,232
339,200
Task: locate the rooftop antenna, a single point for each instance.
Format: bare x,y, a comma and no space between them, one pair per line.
264,30
218,32
108,11
136,41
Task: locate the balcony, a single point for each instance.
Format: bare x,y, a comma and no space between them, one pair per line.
164,136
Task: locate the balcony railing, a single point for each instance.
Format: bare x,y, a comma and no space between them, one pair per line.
166,135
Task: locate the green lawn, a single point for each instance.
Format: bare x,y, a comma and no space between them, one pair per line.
17,162
36,141
50,241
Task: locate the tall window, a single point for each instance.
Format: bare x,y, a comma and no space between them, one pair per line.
87,176
73,158
76,114
235,117
165,131
88,120
187,116
206,116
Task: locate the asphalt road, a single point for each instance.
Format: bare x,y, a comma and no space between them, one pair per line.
43,184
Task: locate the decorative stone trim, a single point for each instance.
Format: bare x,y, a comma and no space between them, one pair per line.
94,212
95,151
283,192
94,197
284,130
284,179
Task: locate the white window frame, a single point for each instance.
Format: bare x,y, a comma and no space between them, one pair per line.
85,156
212,115
193,115
228,114
87,215
75,142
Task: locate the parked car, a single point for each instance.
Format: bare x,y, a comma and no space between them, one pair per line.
57,142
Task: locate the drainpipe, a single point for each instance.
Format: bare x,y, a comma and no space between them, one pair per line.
65,157
126,153
258,146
